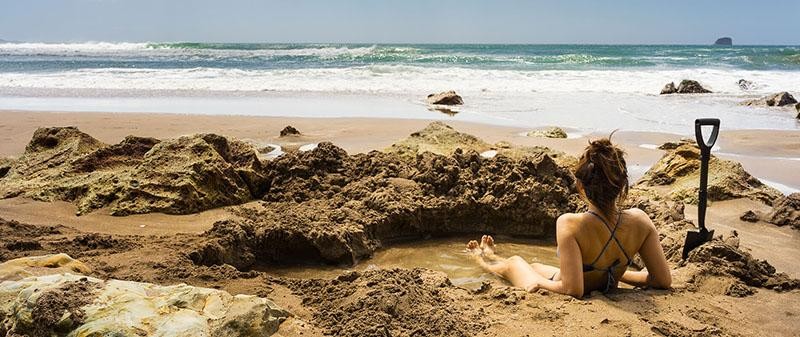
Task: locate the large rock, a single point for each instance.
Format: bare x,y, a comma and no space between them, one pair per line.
679,171
552,132
138,175
445,98
724,41
438,138
75,305
786,211
685,87
780,99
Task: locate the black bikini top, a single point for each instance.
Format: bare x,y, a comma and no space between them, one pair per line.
610,280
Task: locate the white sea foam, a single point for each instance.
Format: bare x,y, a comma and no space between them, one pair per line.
402,79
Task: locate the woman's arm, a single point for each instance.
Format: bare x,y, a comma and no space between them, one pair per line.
571,282
657,273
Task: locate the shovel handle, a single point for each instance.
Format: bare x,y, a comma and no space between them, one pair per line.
698,132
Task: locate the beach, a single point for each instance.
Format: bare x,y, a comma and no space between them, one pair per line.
310,189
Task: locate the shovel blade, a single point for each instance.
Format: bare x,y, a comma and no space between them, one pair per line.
694,240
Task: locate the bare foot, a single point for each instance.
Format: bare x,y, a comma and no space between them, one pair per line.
474,248
487,245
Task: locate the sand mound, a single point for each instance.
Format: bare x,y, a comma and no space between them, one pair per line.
679,170
397,302
326,205
138,175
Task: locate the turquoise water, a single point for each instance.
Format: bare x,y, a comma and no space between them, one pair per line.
585,87
30,57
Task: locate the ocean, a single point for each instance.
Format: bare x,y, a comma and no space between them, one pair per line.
586,87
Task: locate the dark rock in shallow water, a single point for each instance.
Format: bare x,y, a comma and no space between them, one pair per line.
779,99
445,98
745,84
685,87
691,87
724,41
289,131
797,107
669,88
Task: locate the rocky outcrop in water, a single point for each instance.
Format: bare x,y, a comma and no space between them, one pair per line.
552,132
138,175
685,87
786,211
445,98
745,84
68,304
780,99
679,171
724,41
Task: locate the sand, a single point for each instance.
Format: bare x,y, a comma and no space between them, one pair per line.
409,302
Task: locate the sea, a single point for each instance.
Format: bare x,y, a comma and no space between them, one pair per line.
588,88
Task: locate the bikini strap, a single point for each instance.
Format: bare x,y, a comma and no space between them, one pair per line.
612,237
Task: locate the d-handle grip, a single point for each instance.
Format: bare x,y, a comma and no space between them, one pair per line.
698,132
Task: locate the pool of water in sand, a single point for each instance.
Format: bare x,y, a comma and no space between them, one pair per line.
447,255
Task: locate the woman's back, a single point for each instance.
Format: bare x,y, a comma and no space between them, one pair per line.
601,253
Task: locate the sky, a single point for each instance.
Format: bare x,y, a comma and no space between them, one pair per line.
408,21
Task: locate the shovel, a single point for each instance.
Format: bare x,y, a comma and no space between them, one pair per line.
695,239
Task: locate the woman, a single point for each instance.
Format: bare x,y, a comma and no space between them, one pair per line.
595,248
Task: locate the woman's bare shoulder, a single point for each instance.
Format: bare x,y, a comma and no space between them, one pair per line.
640,218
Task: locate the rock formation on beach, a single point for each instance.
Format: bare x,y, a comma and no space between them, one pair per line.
685,87
786,211
679,171
551,132
289,131
724,41
139,175
779,99
62,303
445,98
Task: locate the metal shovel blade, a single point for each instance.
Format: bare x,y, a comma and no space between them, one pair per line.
694,240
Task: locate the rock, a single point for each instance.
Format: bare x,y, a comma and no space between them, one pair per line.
679,169
5,166
797,107
289,131
76,305
503,144
685,87
669,88
786,211
437,138
724,41
780,99
691,87
21,268
445,98
675,145
552,132
139,175
749,216
745,84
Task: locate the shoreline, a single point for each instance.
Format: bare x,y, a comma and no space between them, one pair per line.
771,155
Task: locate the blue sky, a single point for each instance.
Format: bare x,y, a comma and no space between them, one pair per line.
409,21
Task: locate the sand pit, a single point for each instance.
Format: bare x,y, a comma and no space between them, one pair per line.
367,215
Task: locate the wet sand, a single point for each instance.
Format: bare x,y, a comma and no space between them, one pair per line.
767,154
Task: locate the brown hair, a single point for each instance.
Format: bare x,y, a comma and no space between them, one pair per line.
603,174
